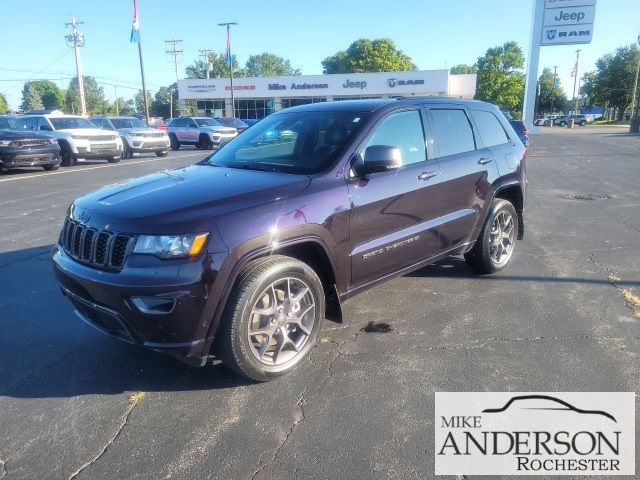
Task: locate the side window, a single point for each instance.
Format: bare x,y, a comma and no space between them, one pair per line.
32,122
102,123
43,124
191,124
452,131
490,129
404,131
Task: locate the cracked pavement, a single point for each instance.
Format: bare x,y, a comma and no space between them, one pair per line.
362,405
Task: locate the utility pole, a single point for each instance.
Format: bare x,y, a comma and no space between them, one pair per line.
174,52
115,89
205,54
575,81
76,40
230,59
635,87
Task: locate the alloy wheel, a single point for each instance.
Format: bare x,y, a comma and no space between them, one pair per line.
501,238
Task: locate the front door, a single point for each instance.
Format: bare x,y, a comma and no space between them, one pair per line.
392,211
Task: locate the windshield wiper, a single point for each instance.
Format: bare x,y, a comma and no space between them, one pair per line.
256,166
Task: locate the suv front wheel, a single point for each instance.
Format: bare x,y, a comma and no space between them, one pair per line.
494,247
273,319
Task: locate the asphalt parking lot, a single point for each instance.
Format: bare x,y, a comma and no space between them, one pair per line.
74,403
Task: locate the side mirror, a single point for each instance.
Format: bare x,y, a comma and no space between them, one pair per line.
379,158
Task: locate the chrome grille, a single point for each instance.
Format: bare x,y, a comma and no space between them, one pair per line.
149,134
98,248
30,142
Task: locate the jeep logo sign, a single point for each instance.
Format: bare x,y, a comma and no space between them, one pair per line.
567,22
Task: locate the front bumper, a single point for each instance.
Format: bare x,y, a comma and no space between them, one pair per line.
148,145
11,157
86,149
173,316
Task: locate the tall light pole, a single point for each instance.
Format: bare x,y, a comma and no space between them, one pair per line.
575,81
635,85
76,40
230,59
553,89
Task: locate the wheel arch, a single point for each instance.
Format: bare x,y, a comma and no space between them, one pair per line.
513,194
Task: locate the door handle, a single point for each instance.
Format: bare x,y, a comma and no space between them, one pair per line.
484,160
427,175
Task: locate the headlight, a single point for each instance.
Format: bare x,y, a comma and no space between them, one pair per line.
171,246
53,140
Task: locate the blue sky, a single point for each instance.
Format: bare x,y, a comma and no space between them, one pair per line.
431,32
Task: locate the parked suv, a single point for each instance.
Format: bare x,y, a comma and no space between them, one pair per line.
236,123
203,132
20,147
244,254
135,135
577,119
77,137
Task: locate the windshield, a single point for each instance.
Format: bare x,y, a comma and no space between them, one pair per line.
63,123
206,122
7,123
127,123
296,142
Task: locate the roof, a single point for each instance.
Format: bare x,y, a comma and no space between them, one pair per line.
369,105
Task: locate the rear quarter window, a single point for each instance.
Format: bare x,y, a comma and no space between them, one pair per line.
452,131
491,130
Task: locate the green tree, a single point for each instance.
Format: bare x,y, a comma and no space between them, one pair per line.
161,102
4,106
50,94
463,68
126,108
551,93
269,65
94,97
139,101
500,78
364,55
611,83
218,67
31,99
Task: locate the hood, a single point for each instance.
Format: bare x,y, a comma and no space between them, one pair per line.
176,201
20,135
86,132
222,130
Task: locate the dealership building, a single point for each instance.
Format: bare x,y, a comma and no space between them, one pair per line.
257,97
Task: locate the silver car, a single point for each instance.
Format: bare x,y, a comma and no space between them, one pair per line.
203,132
136,136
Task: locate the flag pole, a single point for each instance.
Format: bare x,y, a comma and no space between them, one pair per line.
136,38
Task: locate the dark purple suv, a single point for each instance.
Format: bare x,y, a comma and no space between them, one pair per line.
244,254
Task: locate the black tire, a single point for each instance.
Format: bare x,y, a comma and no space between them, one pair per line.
126,150
205,142
162,153
113,159
563,124
174,143
68,158
582,123
480,257
233,344
53,166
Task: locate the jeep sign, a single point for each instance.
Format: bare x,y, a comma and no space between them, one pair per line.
569,16
568,22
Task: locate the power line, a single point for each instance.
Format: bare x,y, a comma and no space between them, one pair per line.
174,52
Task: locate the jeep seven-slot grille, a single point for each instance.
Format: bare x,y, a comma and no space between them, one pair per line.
98,248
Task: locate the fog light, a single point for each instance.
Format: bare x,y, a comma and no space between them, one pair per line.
154,305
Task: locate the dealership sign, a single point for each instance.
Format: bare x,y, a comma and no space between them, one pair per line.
511,433
568,22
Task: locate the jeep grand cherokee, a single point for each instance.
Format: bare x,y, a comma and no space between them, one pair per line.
243,255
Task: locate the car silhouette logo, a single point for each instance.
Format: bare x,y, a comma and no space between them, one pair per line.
559,405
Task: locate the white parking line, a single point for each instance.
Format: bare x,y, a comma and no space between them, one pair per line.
94,167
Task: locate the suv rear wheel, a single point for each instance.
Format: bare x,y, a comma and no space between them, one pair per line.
273,319
68,158
494,247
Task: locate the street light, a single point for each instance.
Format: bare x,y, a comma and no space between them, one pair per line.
229,58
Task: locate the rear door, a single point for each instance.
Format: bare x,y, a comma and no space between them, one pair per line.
392,211
468,172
